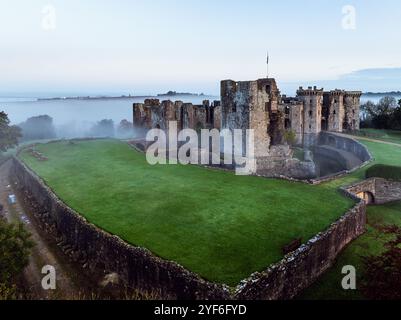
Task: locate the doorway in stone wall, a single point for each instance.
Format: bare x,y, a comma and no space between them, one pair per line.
367,196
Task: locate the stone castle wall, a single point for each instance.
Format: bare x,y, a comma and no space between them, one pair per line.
312,99
345,144
155,114
244,107
298,270
335,110
352,110
102,252
139,268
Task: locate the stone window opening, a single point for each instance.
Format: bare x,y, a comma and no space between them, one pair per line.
287,124
334,112
310,113
287,110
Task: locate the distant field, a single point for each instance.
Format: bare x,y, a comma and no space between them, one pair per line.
384,135
372,243
221,226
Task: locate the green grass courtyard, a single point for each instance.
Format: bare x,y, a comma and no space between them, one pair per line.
222,226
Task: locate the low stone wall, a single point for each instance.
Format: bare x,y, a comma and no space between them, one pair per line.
300,269
346,144
382,190
98,251
387,191
368,185
138,268
342,159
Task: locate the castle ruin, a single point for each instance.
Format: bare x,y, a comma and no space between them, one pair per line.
155,114
259,105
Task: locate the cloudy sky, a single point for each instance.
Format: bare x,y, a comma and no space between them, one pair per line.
142,46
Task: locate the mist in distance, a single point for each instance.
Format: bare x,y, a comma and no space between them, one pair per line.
75,118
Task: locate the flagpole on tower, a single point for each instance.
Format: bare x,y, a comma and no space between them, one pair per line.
267,62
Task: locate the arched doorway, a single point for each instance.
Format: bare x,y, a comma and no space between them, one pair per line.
367,196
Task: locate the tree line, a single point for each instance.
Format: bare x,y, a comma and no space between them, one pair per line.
386,114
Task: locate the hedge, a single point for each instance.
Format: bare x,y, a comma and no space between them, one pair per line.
385,172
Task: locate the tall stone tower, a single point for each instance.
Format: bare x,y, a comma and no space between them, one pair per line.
352,104
333,111
313,104
253,105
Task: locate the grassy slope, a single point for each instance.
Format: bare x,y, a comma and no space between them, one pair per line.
222,226
384,135
329,285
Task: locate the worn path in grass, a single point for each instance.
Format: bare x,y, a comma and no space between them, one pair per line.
221,226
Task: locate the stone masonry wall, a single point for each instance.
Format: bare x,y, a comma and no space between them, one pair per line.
97,250
383,191
300,269
387,191
139,268
346,144
352,109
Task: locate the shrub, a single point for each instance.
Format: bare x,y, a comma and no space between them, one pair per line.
385,172
290,137
15,245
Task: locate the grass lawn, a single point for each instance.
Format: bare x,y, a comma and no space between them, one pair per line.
221,226
384,135
371,243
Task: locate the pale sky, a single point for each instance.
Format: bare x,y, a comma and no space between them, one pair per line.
143,47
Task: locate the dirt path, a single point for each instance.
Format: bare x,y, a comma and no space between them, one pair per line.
44,253
369,139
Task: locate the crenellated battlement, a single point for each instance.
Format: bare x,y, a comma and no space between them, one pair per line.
336,92
310,91
356,94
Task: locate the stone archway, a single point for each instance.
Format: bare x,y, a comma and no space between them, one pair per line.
367,196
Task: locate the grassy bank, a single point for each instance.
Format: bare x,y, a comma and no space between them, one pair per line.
372,243
393,136
221,226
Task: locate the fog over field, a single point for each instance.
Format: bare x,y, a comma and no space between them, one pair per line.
75,118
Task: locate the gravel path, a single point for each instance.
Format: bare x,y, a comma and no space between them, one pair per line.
44,253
